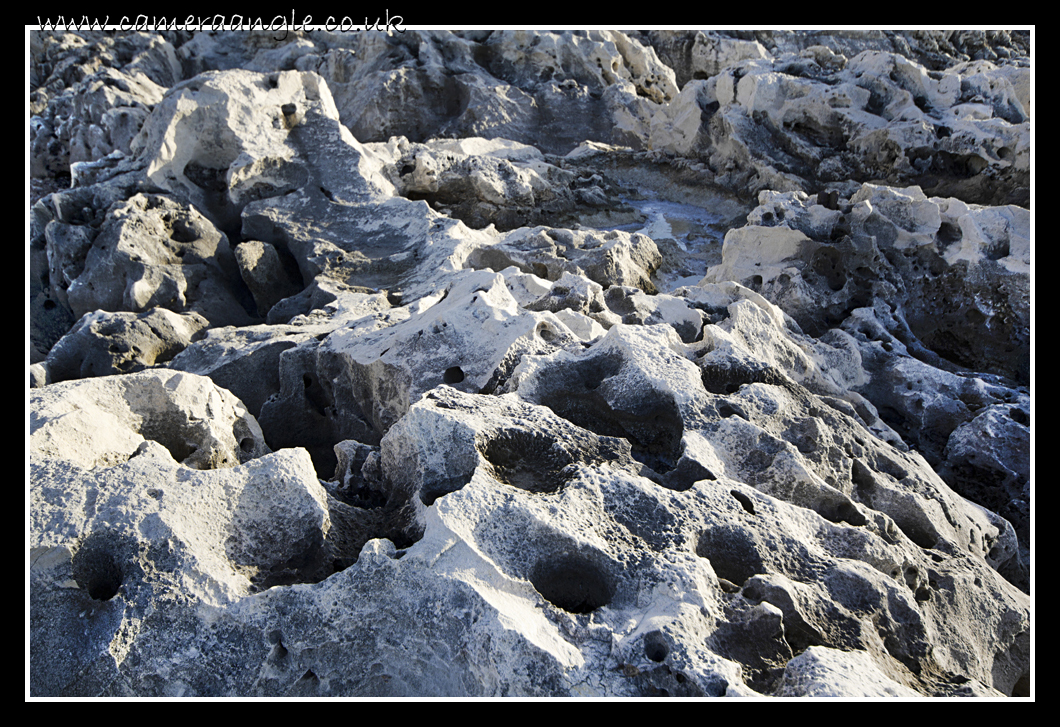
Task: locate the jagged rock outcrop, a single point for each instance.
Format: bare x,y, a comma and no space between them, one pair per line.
105,343
798,121
150,252
526,86
90,98
103,421
953,274
498,182
345,383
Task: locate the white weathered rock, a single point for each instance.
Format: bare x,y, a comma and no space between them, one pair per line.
790,123
96,96
823,672
491,181
103,421
607,258
901,246
507,465
472,340
151,252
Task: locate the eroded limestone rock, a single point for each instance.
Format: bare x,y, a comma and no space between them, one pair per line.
506,464
105,343
155,252
104,420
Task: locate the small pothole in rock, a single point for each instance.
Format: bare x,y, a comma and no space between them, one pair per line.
574,584
526,460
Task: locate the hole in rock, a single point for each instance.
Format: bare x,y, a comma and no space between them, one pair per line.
182,232
246,444
96,569
948,234
744,501
655,646
433,490
279,651
918,533
828,200
732,553
573,584
862,477
206,178
682,477
170,435
648,420
726,410
1022,687
841,511
453,375
527,460
997,249
829,264
728,376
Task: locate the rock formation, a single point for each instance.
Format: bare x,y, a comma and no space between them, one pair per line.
525,363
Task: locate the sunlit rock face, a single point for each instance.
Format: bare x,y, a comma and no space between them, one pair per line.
527,363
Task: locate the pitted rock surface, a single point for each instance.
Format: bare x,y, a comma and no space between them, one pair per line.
530,363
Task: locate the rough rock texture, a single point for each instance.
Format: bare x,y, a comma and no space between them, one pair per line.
90,97
452,364
105,343
499,182
153,252
953,274
102,421
802,121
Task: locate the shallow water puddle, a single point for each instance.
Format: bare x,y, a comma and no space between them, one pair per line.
688,236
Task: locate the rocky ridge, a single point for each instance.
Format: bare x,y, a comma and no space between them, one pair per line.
486,363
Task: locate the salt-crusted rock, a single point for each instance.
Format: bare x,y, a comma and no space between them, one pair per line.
105,343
